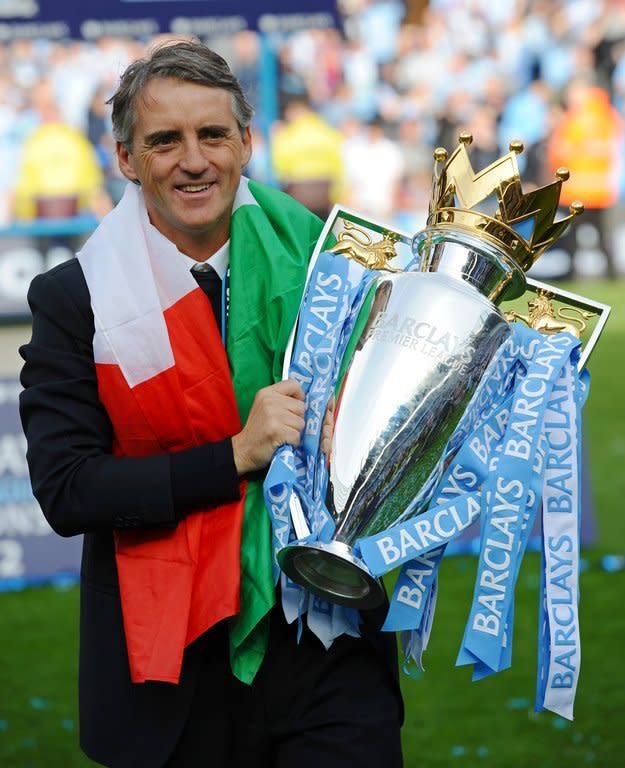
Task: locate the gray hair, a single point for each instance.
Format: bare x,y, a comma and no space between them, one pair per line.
187,61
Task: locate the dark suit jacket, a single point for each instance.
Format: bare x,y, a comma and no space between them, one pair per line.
82,488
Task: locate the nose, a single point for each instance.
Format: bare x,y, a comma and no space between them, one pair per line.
193,159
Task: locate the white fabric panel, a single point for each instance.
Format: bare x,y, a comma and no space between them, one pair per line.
134,273
129,323
243,195
172,278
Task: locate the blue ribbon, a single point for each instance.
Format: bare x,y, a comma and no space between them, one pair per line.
559,634
334,294
506,497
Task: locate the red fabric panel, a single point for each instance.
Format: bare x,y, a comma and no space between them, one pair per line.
176,583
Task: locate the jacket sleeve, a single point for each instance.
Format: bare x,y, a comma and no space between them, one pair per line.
80,486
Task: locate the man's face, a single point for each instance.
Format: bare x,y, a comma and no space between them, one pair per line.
187,153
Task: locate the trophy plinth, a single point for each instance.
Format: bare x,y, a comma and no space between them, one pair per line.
332,571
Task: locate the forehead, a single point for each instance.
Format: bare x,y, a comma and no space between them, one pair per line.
168,103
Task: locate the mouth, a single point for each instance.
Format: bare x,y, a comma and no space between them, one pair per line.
194,189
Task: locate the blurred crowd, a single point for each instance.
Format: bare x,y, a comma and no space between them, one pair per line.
358,110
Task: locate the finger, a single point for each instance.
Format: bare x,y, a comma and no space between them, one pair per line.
295,422
269,402
284,422
327,430
289,387
290,404
328,419
291,436
326,445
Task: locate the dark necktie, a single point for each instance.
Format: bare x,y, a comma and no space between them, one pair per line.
210,282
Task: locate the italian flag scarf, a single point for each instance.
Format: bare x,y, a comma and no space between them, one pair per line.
167,384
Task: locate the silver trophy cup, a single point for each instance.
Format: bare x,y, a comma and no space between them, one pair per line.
428,338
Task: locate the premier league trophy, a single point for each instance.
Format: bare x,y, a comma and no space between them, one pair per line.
429,335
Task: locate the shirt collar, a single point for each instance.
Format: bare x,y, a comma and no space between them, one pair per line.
219,261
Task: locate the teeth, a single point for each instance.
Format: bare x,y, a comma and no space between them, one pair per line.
195,187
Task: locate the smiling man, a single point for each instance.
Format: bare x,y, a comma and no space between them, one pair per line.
187,151
152,404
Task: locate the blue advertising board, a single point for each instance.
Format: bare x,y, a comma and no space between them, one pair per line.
144,18
30,551
30,248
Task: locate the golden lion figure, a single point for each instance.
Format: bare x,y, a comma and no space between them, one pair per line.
542,316
356,244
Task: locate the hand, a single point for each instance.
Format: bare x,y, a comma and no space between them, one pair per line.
276,418
327,429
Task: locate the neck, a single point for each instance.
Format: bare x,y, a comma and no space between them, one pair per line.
202,250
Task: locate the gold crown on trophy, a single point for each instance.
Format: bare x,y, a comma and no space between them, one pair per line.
521,224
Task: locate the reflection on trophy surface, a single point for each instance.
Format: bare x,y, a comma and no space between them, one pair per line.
428,337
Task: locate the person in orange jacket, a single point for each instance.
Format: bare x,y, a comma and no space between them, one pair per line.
587,141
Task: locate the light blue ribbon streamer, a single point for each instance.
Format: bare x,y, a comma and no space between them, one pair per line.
431,529
505,500
481,670
559,634
333,296
487,416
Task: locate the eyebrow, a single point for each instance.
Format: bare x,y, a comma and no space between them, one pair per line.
214,130
153,138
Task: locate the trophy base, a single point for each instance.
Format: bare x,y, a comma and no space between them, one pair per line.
332,571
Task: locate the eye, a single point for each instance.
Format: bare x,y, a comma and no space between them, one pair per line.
162,140
213,134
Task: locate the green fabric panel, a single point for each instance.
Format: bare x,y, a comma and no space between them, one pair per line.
270,247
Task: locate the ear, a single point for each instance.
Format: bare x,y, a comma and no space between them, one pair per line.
247,147
125,161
